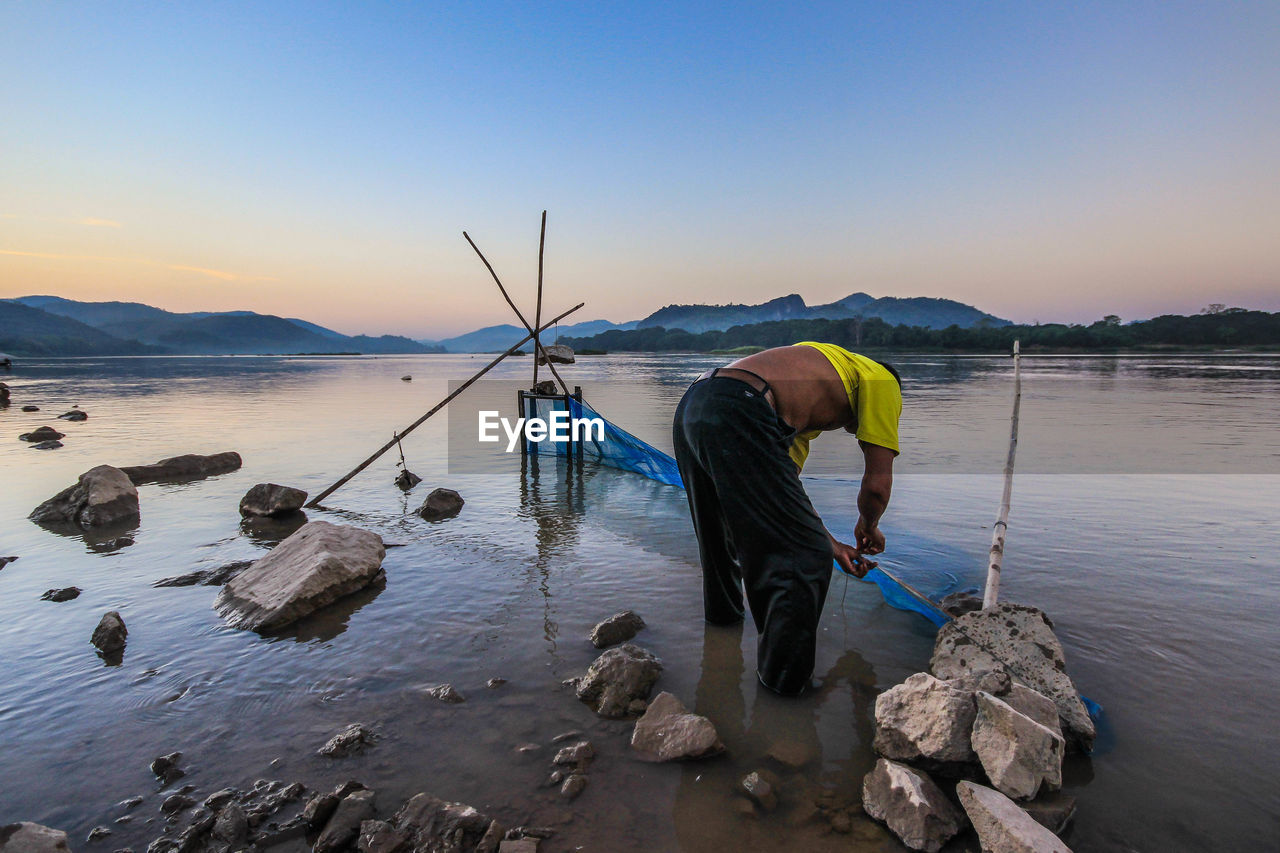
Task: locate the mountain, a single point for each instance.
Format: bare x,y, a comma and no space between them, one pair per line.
32,332
499,338
925,312
212,333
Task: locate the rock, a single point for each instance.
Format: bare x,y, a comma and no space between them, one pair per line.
378,836
441,504
109,545
316,566
52,444
110,635
207,577
28,837
4,561
406,480
1002,827
97,834
434,824
231,826
166,769
518,845
617,678
913,807
668,732
556,354
271,499
406,378
1052,811
188,467
555,778
64,594
4,389
959,603
350,740
924,718
445,693
1017,753
30,408
791,754
1028,702
618,628
218,799
134,802
102,496
343,828
44,433
760,789
175,803
320,808
574,784
74,415
1019,640
578,754
995,682
494,683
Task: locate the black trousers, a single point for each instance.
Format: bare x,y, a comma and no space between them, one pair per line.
756,527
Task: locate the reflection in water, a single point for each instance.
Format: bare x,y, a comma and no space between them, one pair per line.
557,516
265,530
332,620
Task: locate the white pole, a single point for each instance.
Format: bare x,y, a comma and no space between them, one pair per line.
992,594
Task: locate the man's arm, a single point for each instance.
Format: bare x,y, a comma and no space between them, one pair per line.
877,485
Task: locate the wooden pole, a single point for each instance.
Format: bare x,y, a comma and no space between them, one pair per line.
537,311
536,343
314,502
992,594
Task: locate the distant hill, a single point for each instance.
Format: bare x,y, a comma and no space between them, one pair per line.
30,331
498,338
199,332
924,312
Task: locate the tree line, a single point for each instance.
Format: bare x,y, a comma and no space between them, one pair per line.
1214,328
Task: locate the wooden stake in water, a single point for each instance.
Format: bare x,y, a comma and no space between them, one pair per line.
314,502
996,558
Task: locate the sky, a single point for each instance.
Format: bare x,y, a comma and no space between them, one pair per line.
1052,162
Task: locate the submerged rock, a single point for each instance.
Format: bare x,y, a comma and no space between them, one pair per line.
30,408
314,567
64,594
445,693
1017,753
1018,640
441,504
111,634
271,499
406,378
761,787
668,732
1052,811
1002,827
911,805
925,718
52,444
44,433
618,678
166,768
207,577
28,837
74,415
102,496
352,739
190,466
618,628
574,784
556,354
578,755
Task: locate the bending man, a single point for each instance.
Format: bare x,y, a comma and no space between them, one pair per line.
742,435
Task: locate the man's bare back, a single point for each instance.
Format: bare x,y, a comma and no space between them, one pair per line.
807,391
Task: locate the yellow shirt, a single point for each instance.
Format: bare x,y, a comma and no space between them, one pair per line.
874,398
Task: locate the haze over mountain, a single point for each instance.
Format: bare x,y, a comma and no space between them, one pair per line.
51,325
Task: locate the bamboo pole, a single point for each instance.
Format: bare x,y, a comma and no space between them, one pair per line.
538,349
315,502
996,558
537,311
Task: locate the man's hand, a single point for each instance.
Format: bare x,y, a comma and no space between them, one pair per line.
850,559
870,540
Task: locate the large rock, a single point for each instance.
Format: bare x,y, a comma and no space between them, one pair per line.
316,566
343,828
103,496
668,732
618,628
44,433
617,679
441,504
1018,640
111,634
28,837
190,466
924,718
556,354
1002,827
270,499
1017,753
911,805
433,824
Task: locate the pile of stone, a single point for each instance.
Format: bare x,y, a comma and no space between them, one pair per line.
998,709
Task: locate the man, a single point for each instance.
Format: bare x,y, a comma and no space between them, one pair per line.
742,435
